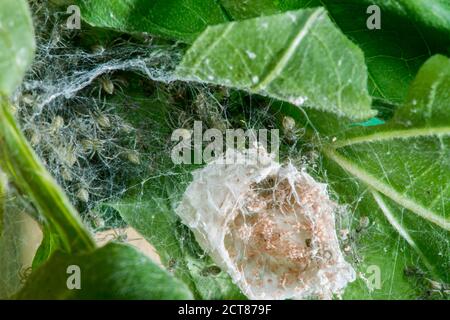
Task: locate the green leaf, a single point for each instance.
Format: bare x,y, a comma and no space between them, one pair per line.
395,52
3,186
148,206
50,244
17,47
435,14
411,31
173,19
16,43
112,272
241,10
11,251
400,174
16,156
179,252
298,56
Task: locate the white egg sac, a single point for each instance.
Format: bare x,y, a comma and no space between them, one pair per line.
270,227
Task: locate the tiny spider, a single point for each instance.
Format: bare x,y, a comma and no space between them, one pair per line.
101,115
290,130
83,195
98,49
212,270
439,288
172,265
133,157
93,146
109,85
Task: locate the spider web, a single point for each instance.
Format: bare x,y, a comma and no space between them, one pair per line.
106,149
112,152
101,147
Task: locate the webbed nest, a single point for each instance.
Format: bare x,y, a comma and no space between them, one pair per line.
271,227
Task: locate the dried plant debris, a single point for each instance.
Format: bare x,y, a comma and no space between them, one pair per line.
271,227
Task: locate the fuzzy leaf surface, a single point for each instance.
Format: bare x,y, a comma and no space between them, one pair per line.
400,174
112,272
411,32
297,56
173,19
16,43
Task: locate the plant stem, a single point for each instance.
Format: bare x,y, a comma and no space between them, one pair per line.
3,185
26,170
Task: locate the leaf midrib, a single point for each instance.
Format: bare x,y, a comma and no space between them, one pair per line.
385,189
394,134
393,221
291,49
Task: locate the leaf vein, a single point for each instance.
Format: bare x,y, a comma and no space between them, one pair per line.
387,190
279,67
394,134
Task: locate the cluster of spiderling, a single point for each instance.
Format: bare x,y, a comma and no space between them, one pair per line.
68,109
71,108
82,145
72,104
